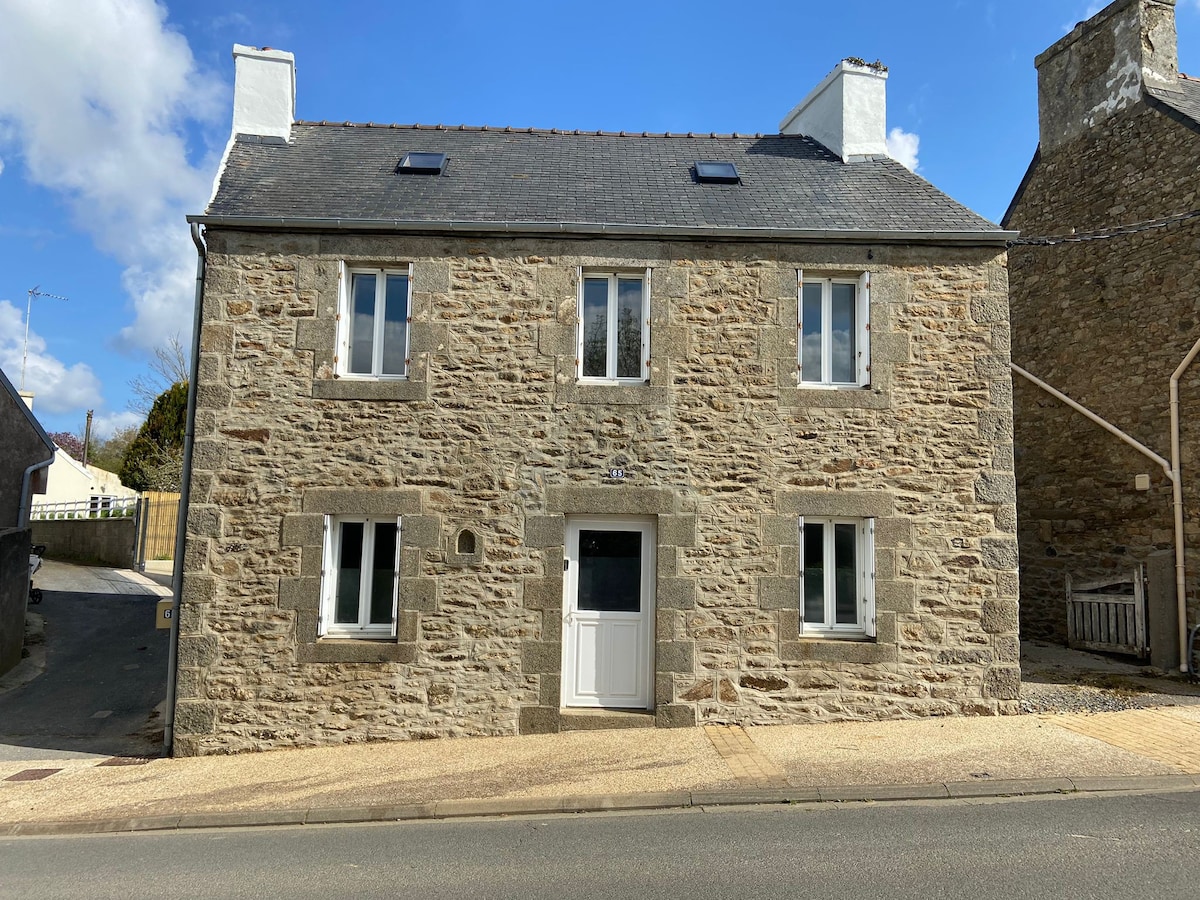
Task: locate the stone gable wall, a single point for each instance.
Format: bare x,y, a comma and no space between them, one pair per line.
1106,322
492,433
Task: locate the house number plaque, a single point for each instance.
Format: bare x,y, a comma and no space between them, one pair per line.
616,473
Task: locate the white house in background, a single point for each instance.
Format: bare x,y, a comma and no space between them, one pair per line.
71,485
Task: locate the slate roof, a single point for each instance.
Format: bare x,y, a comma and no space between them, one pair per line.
1184,99
574,181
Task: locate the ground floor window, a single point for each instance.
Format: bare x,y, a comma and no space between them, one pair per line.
837,577
360,577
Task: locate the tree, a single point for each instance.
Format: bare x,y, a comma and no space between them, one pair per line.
154,459
168,368
108,453
71,443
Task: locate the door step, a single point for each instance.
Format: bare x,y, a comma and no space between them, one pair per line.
604,719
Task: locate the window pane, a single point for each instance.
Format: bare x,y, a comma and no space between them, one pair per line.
349,580
845,574
595,327
395,325
810,339
383,573
842,334
362,323
814,573
629,328
610,571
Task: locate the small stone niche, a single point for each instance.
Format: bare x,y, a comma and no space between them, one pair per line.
466,548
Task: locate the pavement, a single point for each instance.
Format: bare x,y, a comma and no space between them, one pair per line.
1154,746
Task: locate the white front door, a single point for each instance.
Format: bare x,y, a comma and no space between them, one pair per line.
608,613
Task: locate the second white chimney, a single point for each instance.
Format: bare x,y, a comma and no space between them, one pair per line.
846,112
264,91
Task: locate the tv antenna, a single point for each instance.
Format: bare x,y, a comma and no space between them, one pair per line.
32,292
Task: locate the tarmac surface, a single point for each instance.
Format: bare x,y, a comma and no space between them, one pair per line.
92,684
1153,746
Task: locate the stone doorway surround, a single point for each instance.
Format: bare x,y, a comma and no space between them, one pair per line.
673,594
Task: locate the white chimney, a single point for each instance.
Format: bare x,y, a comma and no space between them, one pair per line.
847,112
264,91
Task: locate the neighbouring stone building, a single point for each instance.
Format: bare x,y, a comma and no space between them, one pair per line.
510,431
1107,309
26,452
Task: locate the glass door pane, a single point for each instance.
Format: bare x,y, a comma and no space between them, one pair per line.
610,571
395,325
362,323
810,339
595,327
843,356
845,573
349,582
383,573
814,573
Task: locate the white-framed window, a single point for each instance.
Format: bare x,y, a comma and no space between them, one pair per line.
374,314
614,326
360,577
837,577
834,331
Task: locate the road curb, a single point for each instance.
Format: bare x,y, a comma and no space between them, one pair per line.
526,806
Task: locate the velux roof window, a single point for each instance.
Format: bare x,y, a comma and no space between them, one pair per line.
422,163
714,172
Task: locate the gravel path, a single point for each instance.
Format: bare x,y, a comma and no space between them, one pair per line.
1055,679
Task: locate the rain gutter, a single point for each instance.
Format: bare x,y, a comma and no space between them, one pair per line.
704,232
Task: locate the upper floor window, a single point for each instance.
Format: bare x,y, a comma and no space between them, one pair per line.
373,321
834,331
614,327
360,577
837,577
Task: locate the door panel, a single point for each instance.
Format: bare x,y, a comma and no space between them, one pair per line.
608,618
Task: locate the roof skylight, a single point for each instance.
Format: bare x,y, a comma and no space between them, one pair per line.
714,172
422,163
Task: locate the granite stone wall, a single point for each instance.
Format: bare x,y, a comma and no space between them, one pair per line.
491,433
1106,322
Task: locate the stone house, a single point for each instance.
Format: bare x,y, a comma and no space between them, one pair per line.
508,431
25,453
1105,306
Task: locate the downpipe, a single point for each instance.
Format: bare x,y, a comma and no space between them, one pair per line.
27,491
1185,639
185,493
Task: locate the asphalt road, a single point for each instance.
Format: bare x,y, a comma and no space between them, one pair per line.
106,671
1119,846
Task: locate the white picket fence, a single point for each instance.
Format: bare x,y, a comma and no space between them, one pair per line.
98,507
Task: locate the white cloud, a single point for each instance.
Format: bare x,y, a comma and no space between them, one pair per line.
103,425
60,388
902,147
106,91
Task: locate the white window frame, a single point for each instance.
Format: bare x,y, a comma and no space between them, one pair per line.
862,336
346,275
326,627
613,275
864,551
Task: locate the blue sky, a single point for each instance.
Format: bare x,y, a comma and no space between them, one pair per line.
114,113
